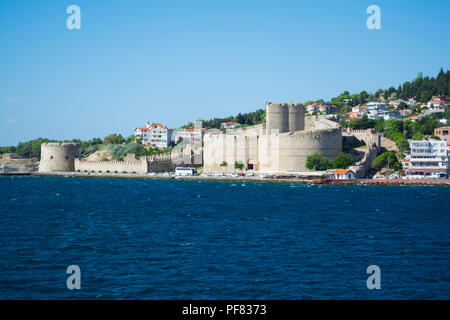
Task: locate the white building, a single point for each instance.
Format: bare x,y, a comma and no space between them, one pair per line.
230,124
154,134
343,174
376,106
389,115
438,102
428,159
360,110
321,108
191,135
376,110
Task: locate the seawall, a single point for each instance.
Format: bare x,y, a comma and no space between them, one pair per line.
251,179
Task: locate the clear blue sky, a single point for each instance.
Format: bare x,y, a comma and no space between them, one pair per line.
176,61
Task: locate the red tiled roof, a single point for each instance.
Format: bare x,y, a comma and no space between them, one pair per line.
192,130
342,171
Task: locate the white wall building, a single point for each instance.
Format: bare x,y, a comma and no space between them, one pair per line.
376,106
321,108
361,110
192,135
230,124
438,102
428,159
343,174
389,115
154,134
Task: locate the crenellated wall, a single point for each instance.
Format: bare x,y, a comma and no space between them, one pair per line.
135,166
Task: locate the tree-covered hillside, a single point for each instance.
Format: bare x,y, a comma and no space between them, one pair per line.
249,118
421,89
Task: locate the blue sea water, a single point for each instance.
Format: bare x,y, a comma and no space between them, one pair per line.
171,239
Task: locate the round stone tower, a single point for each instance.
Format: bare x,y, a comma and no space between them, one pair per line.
58,156
277,117
296,117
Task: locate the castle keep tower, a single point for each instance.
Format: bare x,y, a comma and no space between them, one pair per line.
296,117
284,117
57,156
283,145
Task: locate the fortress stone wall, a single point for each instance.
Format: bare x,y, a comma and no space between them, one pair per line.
129,165
58,156
282,144
137,166
373,142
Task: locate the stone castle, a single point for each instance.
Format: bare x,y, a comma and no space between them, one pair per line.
281,145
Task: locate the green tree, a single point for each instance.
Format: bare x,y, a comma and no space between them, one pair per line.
417,136
343,161
32,148
224,164
130,138
392,126
10,149
403,146
238,165
113,139
316,162
385,159
396,136
379,125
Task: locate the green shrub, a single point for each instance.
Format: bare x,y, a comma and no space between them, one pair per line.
403,145
238,165
396,136
121,150
343,161
316,162
385,159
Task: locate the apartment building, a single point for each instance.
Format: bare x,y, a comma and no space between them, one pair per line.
428,159
154,134
321,108
191,135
